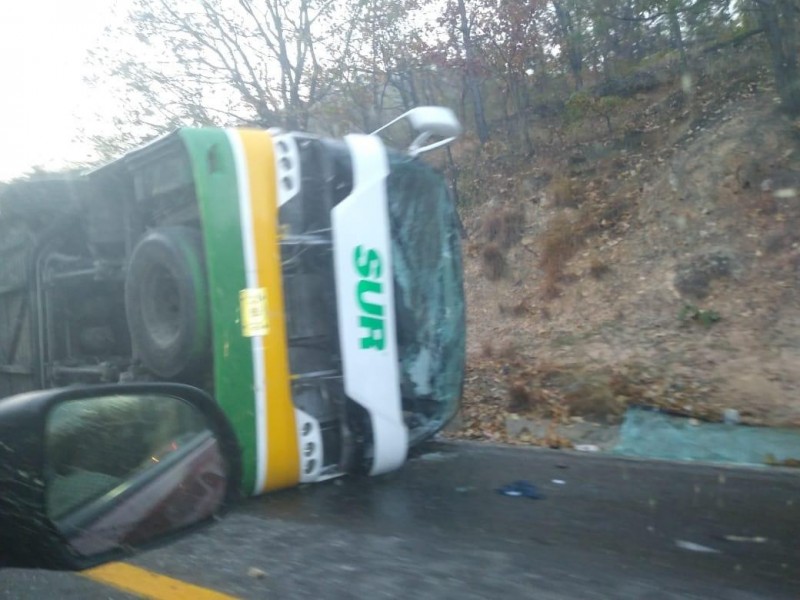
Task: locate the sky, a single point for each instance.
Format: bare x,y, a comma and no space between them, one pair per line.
43,98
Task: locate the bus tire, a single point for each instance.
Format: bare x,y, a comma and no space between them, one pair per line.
166,303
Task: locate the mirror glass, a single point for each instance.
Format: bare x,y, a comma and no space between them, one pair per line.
122,470
435,119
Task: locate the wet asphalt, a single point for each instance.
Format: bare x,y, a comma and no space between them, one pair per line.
603,528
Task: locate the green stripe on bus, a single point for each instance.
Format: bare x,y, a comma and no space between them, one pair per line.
201,317
217,195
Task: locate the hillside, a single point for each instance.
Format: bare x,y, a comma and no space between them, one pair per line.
653,259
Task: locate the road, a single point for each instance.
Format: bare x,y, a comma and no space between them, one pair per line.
615,528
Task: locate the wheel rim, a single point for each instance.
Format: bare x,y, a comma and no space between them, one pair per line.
161,306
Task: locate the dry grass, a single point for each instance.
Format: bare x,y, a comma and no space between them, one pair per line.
564,192
598,269
594,398
518,309
559,391
507,349
564,236
558,244
600,240
503,227
523,399
551,287
519,399
499,230
494,262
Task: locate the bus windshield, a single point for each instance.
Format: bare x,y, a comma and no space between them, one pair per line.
429,300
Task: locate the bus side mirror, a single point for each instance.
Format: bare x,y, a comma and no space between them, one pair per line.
89,474
429,122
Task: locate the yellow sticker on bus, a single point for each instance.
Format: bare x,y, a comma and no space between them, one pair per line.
255,312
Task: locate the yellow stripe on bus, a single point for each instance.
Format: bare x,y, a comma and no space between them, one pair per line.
146,584
283,456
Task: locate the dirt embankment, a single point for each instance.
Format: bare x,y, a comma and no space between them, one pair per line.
659,266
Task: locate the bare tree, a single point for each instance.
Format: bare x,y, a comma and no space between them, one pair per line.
226,61
569,20
460,29
512,47
780,20
381,75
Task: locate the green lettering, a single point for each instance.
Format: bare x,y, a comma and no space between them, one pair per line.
365,286
369,292
368,264
373,338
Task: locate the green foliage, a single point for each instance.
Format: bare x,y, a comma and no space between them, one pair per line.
578,107
335,67
583,105
690,312
607,105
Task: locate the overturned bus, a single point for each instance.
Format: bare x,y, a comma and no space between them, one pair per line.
311,286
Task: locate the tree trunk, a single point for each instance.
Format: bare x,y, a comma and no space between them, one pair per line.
472,83
571,42
677,34
779,20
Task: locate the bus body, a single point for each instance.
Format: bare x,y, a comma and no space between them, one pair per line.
312,286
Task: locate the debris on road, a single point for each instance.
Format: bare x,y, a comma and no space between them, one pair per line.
691,546
559,482
757,539
520,488
256,573
433,456
655,434
587,448
730,416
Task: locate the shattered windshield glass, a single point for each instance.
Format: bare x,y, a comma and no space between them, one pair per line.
429,299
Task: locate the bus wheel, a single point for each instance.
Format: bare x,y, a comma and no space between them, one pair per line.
166,302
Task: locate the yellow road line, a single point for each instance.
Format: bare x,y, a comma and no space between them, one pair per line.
147,584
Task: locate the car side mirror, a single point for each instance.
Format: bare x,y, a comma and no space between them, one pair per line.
88,474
